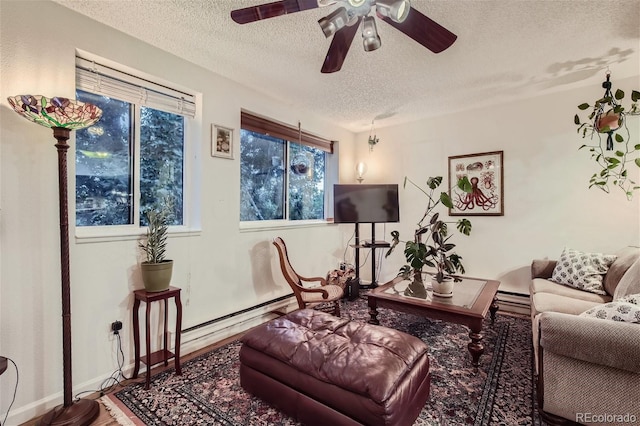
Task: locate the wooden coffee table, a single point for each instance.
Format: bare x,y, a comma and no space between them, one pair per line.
472,299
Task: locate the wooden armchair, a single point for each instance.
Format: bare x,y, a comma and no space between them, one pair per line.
325,297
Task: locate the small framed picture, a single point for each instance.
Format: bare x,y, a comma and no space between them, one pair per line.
221,142
485,172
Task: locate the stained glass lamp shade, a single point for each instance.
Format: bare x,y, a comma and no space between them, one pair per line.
56,112
62,115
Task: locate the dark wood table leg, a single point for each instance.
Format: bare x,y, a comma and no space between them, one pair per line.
136,337
165,336
476,348
148,343
493,309
178,332
373,312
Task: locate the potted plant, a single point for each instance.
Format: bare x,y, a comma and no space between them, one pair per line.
156,270
609,117
431,245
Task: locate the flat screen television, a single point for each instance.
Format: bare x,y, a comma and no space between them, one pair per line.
365,203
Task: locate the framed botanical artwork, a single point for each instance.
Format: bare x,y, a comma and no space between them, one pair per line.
221,141
485,172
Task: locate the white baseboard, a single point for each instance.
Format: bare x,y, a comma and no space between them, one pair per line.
210,334
513,302
190,342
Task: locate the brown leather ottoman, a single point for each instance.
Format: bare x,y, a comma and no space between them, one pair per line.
321,370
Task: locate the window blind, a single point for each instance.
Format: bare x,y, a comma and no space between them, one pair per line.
104,80
265,126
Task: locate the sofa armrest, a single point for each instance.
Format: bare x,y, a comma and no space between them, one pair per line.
611,343
542,268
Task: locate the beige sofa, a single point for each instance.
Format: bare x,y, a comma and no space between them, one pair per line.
588,369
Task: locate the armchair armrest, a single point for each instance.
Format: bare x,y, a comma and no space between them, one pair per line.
325,293
542,268
611,343
322,281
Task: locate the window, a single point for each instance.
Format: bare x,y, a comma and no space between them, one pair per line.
284,172
133,158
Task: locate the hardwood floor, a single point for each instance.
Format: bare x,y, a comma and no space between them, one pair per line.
105,419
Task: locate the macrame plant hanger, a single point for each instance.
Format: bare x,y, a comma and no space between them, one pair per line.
607,98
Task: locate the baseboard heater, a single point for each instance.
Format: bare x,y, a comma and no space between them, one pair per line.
234,314
513,293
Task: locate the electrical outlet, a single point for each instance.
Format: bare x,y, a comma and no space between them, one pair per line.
116,326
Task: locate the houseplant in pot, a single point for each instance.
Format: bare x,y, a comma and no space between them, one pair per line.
156,270
431,245
616,153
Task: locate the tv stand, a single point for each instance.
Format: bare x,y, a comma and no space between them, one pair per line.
368,244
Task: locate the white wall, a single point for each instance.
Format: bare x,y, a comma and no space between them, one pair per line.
221,269
547,203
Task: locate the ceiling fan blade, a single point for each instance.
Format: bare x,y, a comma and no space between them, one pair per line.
271,10
424,30
339,48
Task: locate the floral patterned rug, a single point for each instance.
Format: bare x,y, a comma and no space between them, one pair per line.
499,392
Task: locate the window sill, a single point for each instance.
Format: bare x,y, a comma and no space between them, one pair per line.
269,225
87,235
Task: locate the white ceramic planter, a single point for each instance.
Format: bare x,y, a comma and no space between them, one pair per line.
443,289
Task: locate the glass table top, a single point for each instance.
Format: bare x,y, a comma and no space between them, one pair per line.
465,292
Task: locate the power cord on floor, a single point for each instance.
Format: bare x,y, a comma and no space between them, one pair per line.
344,255
15,391
114,379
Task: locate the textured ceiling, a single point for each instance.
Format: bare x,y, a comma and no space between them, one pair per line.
506,49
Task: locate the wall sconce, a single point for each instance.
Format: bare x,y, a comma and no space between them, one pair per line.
361,169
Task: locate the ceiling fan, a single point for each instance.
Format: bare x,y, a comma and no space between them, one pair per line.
343,23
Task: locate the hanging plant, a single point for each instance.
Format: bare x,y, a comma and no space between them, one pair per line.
373,141
615,151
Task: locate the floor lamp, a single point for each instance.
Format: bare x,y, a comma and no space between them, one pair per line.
62,115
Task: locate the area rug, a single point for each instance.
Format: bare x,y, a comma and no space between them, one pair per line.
499,392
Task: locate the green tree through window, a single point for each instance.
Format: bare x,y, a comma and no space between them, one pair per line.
276,173
106,163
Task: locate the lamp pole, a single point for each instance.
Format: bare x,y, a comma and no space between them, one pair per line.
83,411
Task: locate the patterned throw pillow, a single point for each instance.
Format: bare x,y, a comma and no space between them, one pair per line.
615,311
583,271
634,299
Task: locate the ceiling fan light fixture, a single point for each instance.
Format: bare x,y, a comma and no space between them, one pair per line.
396,10
370,39
356,3
334,21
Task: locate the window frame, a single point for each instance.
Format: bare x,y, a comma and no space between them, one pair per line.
290,134
102,233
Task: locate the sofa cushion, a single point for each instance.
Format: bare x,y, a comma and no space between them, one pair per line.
630,298
549,302
581,270
630,281
542,268
615,311
540,285
625,259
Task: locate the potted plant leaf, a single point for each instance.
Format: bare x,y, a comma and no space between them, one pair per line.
431,245
617,151
156,270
